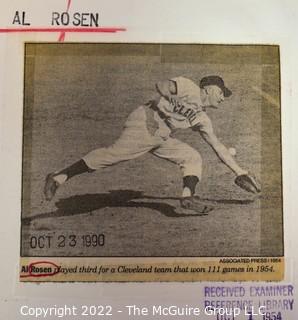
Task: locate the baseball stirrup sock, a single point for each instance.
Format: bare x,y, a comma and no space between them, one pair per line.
190,182
78,167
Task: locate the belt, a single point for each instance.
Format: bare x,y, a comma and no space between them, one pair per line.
152,105
153,125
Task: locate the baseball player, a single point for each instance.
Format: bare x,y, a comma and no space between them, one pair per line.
179,104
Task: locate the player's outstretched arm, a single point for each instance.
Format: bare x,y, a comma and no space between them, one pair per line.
243,179
223,153
204,126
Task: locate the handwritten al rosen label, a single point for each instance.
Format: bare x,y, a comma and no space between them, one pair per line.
75,19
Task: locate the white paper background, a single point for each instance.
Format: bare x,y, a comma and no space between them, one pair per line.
229,21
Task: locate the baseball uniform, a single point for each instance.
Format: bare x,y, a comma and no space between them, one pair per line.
149,130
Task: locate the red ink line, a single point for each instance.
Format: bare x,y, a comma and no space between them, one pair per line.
61,37
68,5
78,30
62,34
50,274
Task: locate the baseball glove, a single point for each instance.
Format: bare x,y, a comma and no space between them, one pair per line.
248,183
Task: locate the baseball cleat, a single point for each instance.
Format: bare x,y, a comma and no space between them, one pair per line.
51,186
190,203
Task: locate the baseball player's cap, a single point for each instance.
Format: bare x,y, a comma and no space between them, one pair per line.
216,81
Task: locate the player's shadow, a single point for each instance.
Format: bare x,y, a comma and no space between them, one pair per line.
88,203
227,201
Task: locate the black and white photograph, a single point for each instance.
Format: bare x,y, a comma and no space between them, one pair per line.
151,150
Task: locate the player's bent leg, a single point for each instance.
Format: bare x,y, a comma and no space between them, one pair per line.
190,163
188,201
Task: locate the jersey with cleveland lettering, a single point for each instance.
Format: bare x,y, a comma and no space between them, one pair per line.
183,108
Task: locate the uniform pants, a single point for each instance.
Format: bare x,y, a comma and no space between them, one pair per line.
137,139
